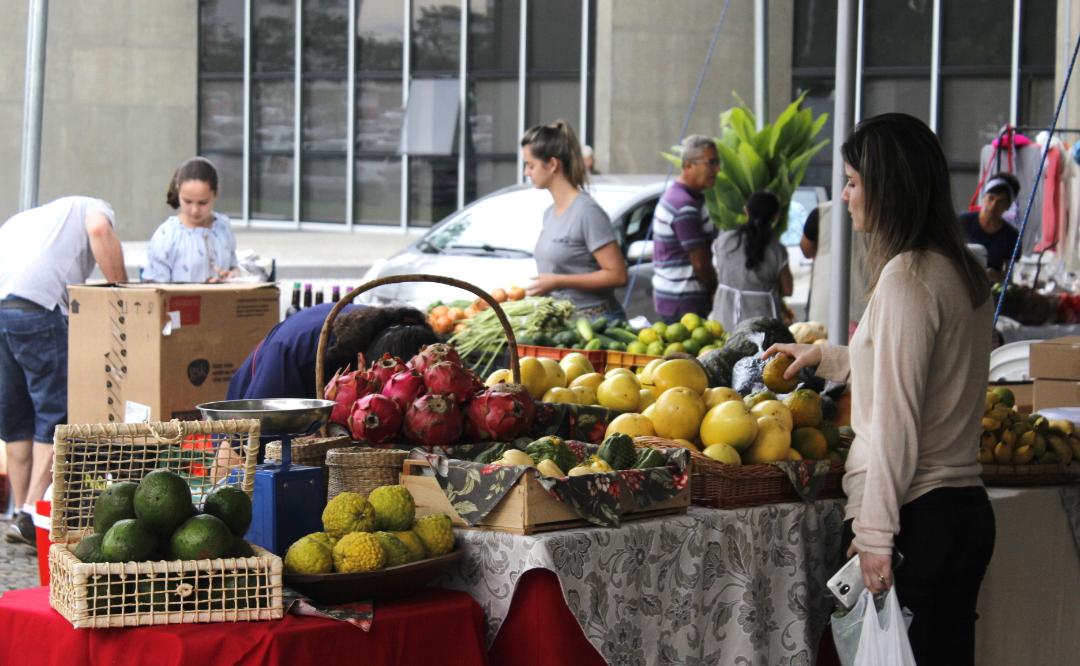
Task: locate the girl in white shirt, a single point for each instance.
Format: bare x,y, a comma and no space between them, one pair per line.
197,244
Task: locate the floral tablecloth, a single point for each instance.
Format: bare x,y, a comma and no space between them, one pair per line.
743,586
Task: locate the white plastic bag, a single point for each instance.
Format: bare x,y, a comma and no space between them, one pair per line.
883,639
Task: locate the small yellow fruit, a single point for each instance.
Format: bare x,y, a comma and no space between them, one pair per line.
1003,453
580,470
678,413
718,394
620,371
560,394
635,425
794,455
619,392
986,456
773,408
547,467
600,466
1023,455
685,443
772,442
723,453
514,457
646,374
554,374
584,395
680,372
646,397
805,406
773,374
810,443
500,376
575,364
533,376
591,380
729,423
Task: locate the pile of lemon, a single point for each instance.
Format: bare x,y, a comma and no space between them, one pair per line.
691,335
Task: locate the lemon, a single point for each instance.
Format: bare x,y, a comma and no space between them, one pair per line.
648,335
690,321
724,453
715,396
729,423
676,333
533,376
660,328
500,376
691,346
776,409
677,413
706,349
675,348
635,425
701,335
619,392
646,397
584,395
560,394
637,347
680,372
555,375
655,348
714,327
590,380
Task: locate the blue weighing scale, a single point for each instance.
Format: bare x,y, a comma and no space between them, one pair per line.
289,499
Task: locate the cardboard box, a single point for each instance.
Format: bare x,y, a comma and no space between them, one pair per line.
1056,393
1056,359
1024,392
142,352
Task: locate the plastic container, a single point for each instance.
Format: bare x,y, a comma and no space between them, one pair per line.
42,525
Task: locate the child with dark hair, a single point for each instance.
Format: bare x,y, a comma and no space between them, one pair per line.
751,266
197,244
283,364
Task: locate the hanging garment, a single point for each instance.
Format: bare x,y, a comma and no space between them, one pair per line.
995,157
1054,212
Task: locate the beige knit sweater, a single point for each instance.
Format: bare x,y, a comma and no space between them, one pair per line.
918,366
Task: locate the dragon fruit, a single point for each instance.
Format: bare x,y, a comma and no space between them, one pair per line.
500,413
404,387
433,420
451,379
345,388
375,419
431,354
386,367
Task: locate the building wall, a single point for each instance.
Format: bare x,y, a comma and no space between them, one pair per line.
120,104
647,65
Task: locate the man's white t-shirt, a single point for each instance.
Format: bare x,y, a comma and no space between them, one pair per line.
45,249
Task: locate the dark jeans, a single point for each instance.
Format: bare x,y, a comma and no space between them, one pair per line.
947,538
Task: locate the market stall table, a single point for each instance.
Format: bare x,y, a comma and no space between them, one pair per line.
434,627
710,585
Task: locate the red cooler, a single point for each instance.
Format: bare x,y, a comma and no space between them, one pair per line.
42,524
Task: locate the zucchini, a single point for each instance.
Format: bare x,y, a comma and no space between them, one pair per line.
621,334
585,329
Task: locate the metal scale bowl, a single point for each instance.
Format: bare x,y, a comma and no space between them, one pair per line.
288,499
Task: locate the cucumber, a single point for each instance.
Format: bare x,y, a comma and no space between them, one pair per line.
565,338
585,329
599,324
620,334
592,344
605,340
615,345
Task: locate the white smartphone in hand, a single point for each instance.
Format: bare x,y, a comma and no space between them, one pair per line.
847,583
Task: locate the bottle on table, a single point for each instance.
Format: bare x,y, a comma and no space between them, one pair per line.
319,295
308,295
294,307
335,294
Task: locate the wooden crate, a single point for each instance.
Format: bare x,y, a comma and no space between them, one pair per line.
527,508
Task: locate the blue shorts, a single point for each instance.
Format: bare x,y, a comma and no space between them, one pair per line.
33,372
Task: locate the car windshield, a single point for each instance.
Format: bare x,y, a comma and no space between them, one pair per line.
509,222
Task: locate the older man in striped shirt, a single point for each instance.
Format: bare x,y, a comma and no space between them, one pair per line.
684,279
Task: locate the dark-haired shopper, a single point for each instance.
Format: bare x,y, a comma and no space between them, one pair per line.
196,244
751,266
577,256
283,364
918,365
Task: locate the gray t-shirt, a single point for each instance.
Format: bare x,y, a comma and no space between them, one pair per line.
45,249
567,243
743,294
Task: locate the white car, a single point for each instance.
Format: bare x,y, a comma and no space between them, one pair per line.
489,243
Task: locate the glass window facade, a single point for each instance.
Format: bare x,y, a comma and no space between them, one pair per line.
311,90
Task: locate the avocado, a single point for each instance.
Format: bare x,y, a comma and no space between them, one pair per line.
163,501
129,540
114,503
232,506
242,548
89,549
202,537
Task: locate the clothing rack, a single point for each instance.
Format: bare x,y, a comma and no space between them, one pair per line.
1059,130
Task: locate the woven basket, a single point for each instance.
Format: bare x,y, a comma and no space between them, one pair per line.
1030,474
87,458
310,451
360,469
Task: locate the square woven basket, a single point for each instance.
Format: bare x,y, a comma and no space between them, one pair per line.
87,459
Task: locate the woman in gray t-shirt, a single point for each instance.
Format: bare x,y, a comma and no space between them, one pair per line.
577,258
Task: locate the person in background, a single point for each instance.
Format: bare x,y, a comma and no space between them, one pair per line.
283,364
196,245
918,366
988,228
42,251
577,255
684,279
808,242
751,266
590,160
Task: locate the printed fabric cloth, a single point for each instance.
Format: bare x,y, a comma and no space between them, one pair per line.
743,586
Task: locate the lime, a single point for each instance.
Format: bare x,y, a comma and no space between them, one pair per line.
637,347
702,335
676,333
648,335
714,327
655,348
660,327
706,349
691,346
691,320
675,347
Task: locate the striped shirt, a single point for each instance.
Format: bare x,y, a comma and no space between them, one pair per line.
680,223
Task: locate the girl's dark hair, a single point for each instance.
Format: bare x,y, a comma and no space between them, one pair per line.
558,140
197,168
908,197
401,331
761,210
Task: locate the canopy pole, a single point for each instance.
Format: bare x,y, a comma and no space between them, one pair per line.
33,95
843,114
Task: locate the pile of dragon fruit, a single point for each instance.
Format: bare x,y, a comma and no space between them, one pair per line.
431,400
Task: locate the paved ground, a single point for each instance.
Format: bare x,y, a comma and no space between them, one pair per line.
18,564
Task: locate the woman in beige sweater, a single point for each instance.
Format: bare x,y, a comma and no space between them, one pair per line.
918,366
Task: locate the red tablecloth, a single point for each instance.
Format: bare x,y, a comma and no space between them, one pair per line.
435,627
